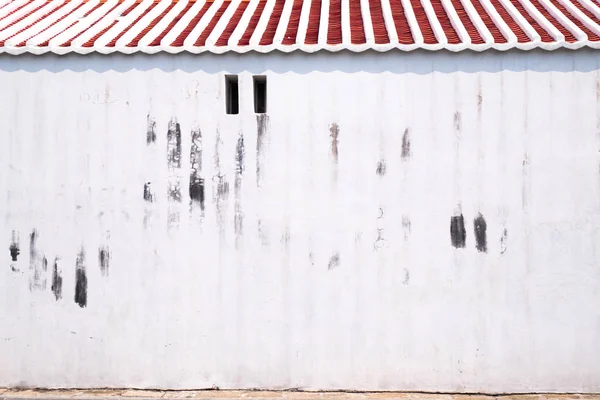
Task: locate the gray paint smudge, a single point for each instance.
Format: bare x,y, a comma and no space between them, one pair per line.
457,120
334,261
37,264
220,184
174,160
406,152
525,183
480,227
458,233
406,277
174,144
406,226
381,168
148,195
14,246
380,242
150,130
174,191
239,170
503,241
262,124
196,181
334,133
81,283
264,240
174,166
56,281
104,259
479,95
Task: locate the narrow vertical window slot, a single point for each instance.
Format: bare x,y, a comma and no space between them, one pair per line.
232,97
260,94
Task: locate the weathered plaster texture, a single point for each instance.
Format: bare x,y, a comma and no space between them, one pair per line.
423,221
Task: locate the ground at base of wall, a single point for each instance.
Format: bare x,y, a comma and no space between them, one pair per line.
115,394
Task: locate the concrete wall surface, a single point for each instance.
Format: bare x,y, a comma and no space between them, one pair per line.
424,221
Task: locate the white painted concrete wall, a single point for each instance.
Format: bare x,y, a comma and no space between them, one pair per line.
338,277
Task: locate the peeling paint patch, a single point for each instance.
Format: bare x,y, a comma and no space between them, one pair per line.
334,133
150,130
480,227
37,264
81,283
104,259
196,188
57,280
14,246
148,195
504,241
406,152
262,123
334,261
381,167
458,233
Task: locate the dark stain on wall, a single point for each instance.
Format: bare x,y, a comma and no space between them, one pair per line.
239,170
458,234
174,191
220,185
104,259
196,181
525,185
14,246
480,227
406,152
406,279
148,195
56,286
334,133
334,261
239,155
150,130
406,226
197,191
262,123
503,241
381,167
174,160
33,236
457,120
37,264
81,283
174,144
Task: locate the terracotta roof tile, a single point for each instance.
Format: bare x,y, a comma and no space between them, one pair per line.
105,26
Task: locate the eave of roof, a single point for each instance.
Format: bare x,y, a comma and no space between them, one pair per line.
219,26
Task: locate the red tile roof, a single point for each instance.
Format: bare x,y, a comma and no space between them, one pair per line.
150,26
